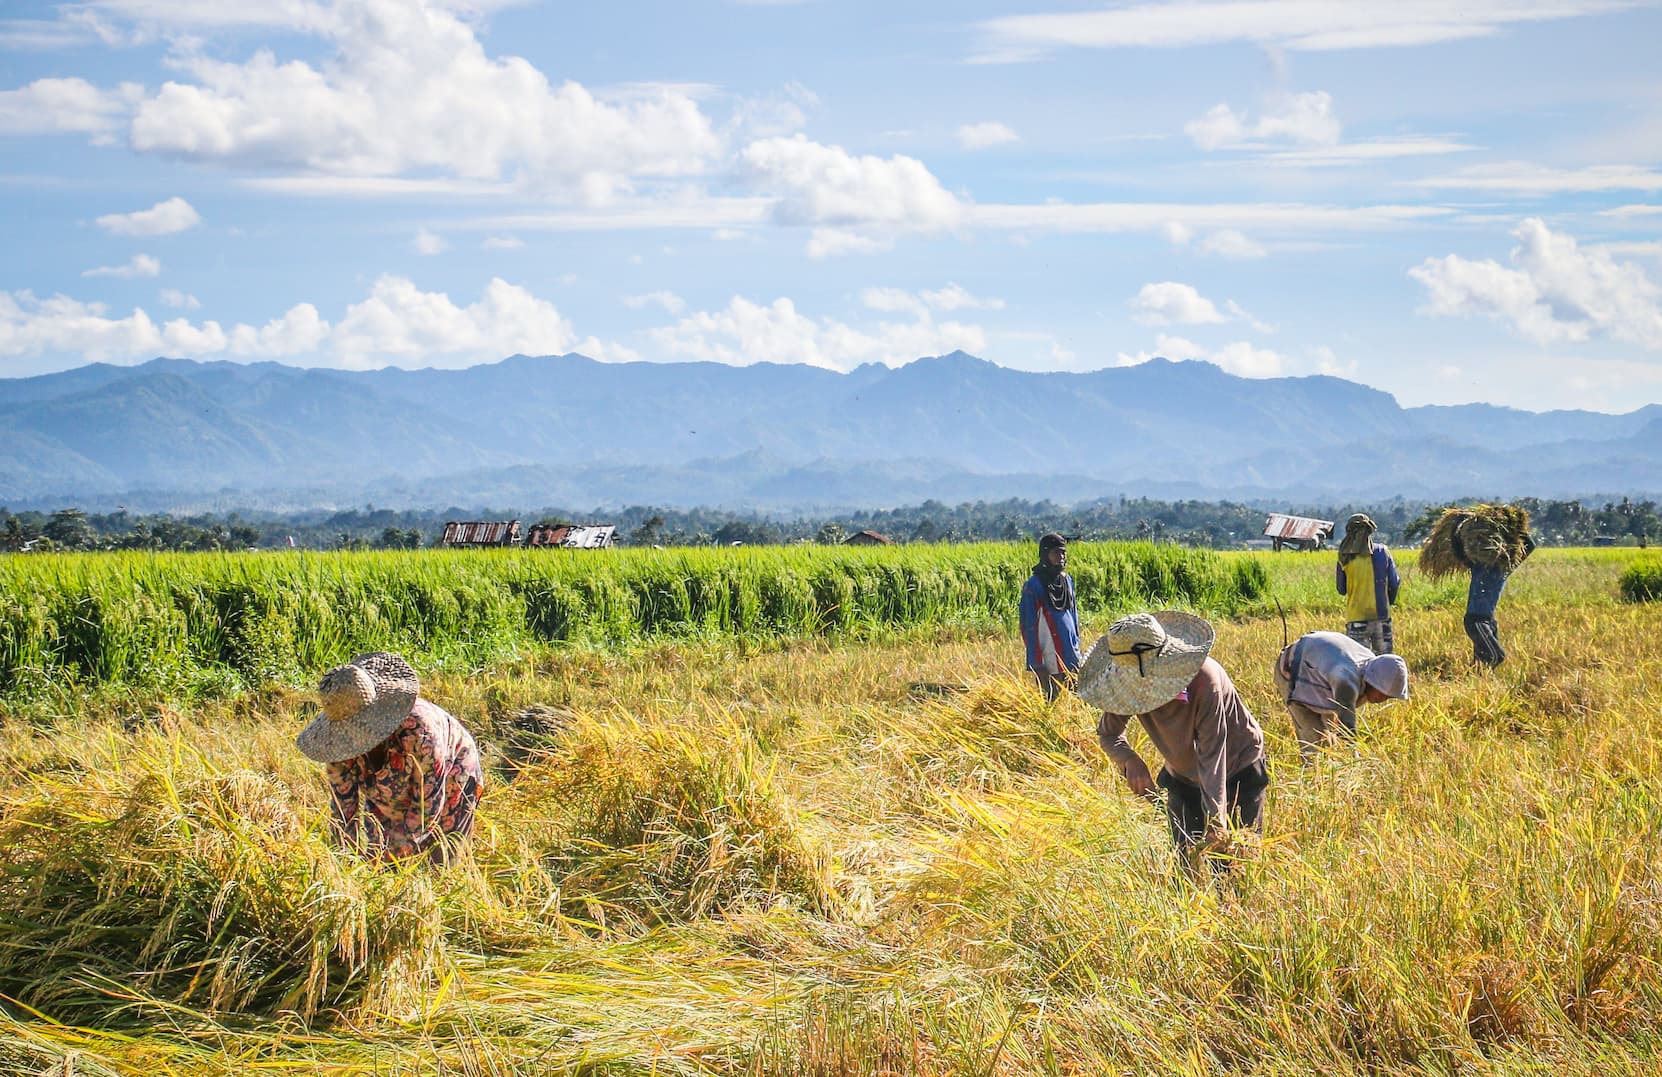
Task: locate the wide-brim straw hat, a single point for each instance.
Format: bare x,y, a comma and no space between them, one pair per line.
1144,661
363,702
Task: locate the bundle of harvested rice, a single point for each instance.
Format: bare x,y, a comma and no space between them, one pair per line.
1494,536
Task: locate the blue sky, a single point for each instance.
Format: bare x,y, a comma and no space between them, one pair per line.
1449,202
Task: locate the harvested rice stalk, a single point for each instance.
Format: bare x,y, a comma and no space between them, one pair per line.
1495,536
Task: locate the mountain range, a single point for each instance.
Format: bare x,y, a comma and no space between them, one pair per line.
173,434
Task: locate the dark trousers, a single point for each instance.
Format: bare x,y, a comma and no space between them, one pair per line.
1051,684
1186,810
1485,637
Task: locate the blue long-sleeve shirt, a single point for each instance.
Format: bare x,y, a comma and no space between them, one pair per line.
1051,635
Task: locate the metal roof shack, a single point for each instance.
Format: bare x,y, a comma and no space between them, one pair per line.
480,533
867,538
1299,532
572,536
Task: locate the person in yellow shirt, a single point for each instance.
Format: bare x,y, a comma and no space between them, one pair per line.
1367,577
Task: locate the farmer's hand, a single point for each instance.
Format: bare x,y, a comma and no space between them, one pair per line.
1216,839
1139,779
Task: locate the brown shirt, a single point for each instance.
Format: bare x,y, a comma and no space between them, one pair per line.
1203,739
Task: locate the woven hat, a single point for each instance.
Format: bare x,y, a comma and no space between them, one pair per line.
1388,673
363,702
1144,661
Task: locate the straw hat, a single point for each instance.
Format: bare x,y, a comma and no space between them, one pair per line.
363,702
1144,661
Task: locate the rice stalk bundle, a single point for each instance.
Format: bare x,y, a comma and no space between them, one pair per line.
1493,536
168,884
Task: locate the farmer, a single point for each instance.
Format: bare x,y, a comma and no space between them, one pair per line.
1324,676
1483,595
1367,577
403,773
1157,666
1050,617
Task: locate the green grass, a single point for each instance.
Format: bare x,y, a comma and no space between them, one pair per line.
1642,581
212,624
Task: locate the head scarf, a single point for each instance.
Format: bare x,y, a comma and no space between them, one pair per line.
1058,587
1358,539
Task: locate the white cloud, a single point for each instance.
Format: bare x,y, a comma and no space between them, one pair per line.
59,324
1240,312
1240,358
1555,292
1248,361
1303,117
140,265
1627,212
398,321
1171,303
1521,177
746,332
1365,152
855,204
983,136
409,87
955,297
667,300
1291,24
952,297
161,219
180,337
428,243
180,300
376,187
61,106
299,331
1228,243
683,211
1328,362
502,243
1178,219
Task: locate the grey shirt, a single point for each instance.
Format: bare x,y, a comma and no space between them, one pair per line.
1203,739
1329,673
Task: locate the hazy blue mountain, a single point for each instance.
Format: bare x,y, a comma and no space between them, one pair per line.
569,430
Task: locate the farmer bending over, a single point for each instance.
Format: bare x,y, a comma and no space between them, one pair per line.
403,773
1323,677
1156,666
1050,617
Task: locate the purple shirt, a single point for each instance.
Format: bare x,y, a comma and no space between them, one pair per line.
426,786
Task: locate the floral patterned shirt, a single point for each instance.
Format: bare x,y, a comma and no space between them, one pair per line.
426,786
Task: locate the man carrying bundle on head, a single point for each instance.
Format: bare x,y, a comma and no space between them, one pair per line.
1367,577
1489,541
1157,666
1050,617
1324,677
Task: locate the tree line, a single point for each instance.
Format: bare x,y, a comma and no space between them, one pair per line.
1214,524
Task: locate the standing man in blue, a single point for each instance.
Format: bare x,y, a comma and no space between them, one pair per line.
1367,577
1488,580
1050,618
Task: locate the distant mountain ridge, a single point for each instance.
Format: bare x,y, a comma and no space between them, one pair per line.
567,430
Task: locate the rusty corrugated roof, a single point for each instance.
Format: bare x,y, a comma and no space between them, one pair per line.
1282,526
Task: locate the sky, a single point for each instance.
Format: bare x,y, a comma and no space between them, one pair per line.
1449,202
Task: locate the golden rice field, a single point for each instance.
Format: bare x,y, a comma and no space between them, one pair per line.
880,854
